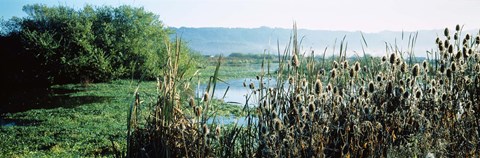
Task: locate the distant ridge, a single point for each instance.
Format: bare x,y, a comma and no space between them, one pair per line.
217,40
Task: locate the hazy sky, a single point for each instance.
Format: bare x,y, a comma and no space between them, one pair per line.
349,15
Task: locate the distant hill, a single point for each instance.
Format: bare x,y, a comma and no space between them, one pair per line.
212,41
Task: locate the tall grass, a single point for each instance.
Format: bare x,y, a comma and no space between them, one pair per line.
394,106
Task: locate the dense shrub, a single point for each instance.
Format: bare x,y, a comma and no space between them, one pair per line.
55,45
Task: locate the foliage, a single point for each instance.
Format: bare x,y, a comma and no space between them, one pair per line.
93,44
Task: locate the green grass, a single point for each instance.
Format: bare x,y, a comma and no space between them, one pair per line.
84,123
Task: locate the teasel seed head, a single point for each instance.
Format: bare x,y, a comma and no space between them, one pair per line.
437,40
393,58
453,66
217,131
444,97
345,64
251,85
206,131
318,87
352,72
198,111
447,43
446,32
455,36
415,70
442,68
371,87
191,102
384,58
450,49
467,37
403,67
389,88
418,94
277,124
357,66
333,73
311,108
477,39
406,95
457,27
295,61
206,97
449,73
335,64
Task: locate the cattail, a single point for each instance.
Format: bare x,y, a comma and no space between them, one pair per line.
446,32
457,28
318,87
371,88
206,97
393,58
415,70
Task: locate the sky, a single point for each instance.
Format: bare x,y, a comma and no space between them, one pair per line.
345,15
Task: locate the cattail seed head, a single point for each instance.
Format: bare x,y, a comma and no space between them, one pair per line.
415,70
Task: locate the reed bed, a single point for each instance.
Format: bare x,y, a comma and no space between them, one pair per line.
366,107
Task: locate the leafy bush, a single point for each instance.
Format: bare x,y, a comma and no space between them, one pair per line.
55,45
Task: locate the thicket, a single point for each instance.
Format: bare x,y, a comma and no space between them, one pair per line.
56,45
